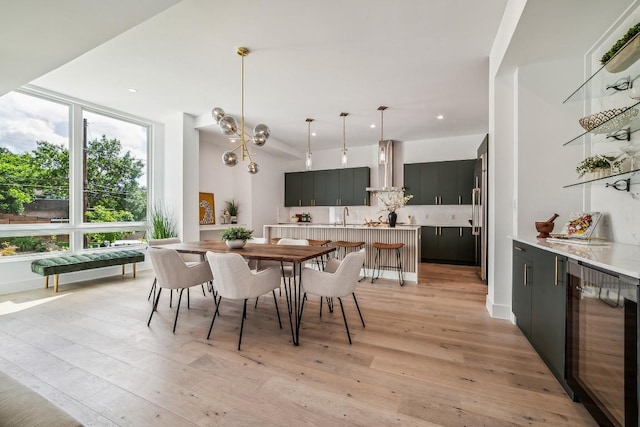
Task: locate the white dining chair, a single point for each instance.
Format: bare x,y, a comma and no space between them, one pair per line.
234,280
190,259
173,273
339,279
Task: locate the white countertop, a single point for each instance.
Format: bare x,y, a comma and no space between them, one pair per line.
617,257
357,226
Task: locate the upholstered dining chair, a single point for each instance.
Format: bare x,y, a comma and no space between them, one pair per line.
286,269
234,280
339,279
173,273
190,259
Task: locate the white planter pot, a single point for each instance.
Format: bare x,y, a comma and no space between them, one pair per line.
236,244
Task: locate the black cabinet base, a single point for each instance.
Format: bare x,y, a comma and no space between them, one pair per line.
451,262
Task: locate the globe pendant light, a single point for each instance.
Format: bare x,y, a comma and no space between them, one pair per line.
229,127
308,162
343,161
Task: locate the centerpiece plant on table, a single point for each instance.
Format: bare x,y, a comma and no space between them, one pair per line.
236,237
393,199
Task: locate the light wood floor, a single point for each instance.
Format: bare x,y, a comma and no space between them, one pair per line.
429,355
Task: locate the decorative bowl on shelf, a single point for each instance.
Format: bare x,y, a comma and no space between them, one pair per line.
608,120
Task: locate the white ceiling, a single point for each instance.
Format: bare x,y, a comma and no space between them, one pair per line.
420,58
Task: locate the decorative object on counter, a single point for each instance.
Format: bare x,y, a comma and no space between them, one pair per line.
229,127
343,158
393,199
580,225
207,208
609,120
232,209
163,223
308,164
546,227
624,52
599,165
236,237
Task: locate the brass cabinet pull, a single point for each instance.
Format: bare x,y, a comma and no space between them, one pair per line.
299,202
460,231
518,248
459,200
436,200
555,282
525,274
435,230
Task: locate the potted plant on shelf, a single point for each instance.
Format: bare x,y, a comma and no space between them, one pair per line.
599,166
624,52
232,208
236,237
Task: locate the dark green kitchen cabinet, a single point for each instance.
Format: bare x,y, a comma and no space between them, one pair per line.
331,187
539,303
446,245
440,183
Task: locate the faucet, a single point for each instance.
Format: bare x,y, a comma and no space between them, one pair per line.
345,213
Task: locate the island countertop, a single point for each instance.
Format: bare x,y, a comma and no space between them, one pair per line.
409,234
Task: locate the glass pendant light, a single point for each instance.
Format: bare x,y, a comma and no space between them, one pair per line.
382,155
308,164
343,161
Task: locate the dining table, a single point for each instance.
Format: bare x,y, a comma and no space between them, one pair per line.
296,255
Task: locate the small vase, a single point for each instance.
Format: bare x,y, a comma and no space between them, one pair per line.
236,244
234,219
393,217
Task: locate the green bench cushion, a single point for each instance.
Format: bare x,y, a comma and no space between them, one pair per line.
69,263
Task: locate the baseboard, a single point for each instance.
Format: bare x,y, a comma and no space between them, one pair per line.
498,311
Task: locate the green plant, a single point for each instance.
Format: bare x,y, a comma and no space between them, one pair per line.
620,43
232,207
592,163
162,223
7,249
236,233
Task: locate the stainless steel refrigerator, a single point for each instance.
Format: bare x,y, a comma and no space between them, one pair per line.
479,199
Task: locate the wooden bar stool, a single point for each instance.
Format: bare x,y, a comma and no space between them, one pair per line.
376,264
345,247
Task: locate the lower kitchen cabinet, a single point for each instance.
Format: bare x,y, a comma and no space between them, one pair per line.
539,303
454,245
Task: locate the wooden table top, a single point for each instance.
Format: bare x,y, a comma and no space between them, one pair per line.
261,251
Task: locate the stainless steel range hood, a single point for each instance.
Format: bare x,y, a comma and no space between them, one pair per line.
385,168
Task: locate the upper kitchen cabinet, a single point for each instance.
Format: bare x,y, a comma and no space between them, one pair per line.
440,183
333,187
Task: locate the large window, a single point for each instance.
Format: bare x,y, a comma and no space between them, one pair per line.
66,187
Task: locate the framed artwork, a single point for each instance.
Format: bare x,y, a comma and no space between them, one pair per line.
207,209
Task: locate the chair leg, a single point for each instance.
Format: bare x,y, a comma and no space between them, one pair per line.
358,307
320,305
175,322
153,289
275,300
155,306
203,292
170,298
215,313
400,274
188,299
256,306
244,315
345,320
375,264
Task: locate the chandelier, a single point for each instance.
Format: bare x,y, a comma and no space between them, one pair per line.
229,127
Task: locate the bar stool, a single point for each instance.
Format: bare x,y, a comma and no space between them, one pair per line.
376,264
322,260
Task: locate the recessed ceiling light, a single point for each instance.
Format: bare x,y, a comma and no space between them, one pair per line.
440,117
372,125
232,140
313,134
133,90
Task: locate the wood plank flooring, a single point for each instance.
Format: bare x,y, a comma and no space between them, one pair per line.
429,355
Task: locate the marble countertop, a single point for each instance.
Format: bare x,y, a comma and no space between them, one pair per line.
617,257
357,226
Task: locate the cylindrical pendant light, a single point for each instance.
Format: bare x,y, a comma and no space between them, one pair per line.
343,161
308,164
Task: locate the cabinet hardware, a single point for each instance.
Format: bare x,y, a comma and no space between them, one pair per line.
460,231
337,203
581,289
439,200
435,230
459,200
518,248
436,202
299,202
364,201
555,282
525,275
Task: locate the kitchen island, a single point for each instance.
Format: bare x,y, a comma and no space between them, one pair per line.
407,234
